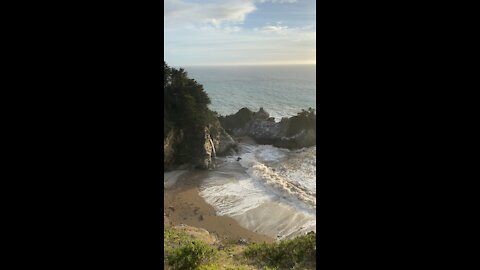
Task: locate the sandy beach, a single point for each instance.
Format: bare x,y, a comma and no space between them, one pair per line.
183,205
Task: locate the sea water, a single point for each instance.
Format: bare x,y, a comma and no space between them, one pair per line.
282,91
268,190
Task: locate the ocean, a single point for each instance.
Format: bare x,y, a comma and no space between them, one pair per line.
270,190
282,91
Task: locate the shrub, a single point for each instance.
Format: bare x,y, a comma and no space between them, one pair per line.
298,253
190,256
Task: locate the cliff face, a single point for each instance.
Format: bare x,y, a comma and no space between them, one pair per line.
207,152
214,140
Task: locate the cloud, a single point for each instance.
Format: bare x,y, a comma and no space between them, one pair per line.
199,32
277,1
216,46
277,29
181,13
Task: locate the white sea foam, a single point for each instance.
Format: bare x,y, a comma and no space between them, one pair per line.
286,174
234,197
269,190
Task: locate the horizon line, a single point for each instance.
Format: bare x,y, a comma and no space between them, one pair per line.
236,65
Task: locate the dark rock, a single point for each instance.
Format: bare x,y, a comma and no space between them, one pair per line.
238,120
172,208
310,232
292,133
200,218
261,115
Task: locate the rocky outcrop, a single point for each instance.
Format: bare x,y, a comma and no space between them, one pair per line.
214,140
294,132
261,115
215,143
207,152
238,120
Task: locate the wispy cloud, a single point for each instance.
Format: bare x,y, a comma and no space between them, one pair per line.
220,32
181,13
277,29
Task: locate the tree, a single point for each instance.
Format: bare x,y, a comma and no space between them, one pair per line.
186,108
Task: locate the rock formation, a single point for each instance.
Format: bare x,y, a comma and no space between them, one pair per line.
215,140
294,132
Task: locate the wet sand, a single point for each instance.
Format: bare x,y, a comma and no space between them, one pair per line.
183,205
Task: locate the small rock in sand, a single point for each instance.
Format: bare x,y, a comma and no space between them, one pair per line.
242,241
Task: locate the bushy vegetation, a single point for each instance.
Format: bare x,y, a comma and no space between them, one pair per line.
298,253
190,256
186,108
183,251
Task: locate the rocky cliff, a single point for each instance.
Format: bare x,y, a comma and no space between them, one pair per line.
294,132
214,140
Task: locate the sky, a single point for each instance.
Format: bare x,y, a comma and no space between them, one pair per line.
239,32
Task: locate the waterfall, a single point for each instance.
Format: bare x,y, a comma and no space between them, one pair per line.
213,146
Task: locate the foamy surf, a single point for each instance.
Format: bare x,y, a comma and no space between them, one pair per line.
286,174
269,190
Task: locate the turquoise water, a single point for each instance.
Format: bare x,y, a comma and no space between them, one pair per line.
282,91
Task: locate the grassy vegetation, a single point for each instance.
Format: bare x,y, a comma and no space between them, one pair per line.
298,253
184,251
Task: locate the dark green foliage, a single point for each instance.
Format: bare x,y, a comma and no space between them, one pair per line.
298,253
186,108
185,101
